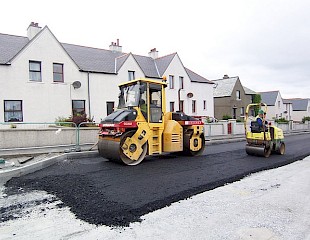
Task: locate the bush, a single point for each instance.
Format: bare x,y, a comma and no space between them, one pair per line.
226,117
304,119
77,119
63,121
281,120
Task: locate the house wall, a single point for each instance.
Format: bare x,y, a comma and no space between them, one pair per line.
276,111
288,111
104,87
298,115
201,91
225,105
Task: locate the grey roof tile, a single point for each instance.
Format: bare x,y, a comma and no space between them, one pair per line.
119,61
162,63
194,77
147,64
95,59
10,45
249,91
224,87
287,101
269,97
92,59
300,104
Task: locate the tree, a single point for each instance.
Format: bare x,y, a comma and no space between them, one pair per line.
257,99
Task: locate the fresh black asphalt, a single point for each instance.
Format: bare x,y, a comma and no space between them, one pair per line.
104,193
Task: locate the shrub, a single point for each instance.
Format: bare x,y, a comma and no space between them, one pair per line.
226,117
281,120
304,119
77,119
63,121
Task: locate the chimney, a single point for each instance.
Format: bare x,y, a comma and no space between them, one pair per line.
33,30
153,53
115,47
225,76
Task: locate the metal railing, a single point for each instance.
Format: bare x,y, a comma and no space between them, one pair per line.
39,126
72,132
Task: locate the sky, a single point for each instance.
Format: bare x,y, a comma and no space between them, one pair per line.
264,42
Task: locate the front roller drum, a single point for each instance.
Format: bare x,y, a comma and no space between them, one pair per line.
110,149
253,150
113,151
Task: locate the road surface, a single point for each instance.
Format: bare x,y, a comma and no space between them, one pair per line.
104,193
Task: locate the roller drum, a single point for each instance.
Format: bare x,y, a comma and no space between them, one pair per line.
258,150
110,150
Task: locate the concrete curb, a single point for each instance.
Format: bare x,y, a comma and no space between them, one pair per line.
7,174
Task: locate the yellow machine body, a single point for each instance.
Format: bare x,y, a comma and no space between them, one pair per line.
133,131
265,140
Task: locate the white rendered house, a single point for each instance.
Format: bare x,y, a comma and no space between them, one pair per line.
276,108
42,79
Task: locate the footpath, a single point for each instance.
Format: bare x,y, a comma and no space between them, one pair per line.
18,162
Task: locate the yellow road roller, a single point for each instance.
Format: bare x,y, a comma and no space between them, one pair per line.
141,126
262,138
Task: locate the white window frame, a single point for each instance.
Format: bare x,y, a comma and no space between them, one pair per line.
171,105
194,107
35,75
171,81
204,104
238,94
131,75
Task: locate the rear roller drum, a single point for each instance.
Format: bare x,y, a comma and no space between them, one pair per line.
187,150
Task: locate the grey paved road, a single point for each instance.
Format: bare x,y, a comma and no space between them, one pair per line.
101,192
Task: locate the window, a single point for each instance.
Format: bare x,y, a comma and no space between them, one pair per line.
13,111
204,105
131,75
238,96
181,106
110,107
279,104
155,102
171,81
241,111
171,106
155,110
58,74
193,106
35,71
181,82
78,107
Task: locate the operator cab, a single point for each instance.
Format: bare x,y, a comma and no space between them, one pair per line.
145,95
